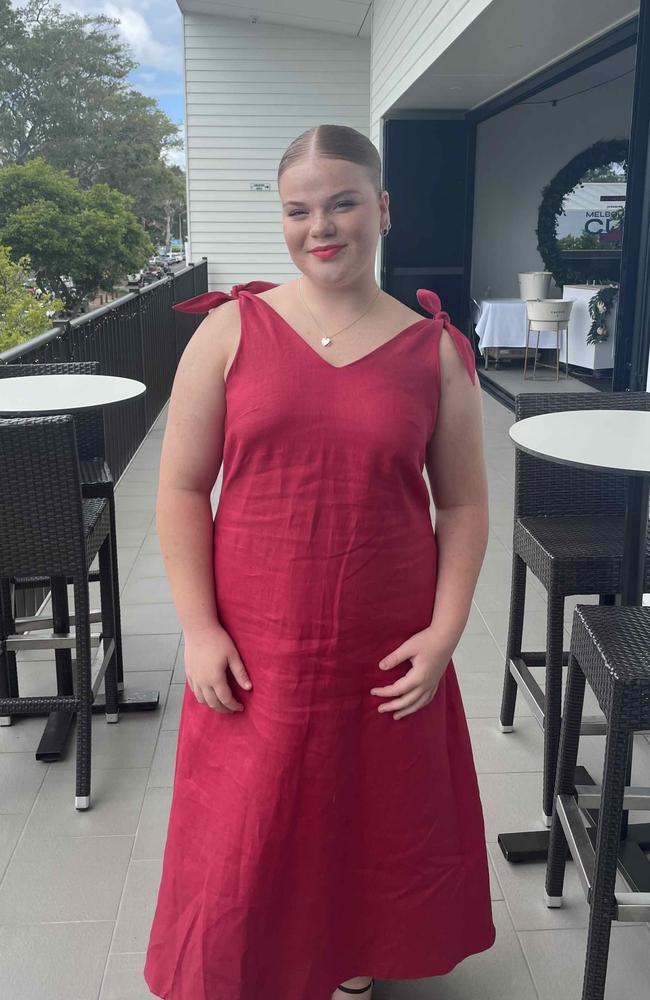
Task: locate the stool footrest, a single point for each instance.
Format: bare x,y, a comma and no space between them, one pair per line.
537,657
635,797
580,846
55,640
592,725
530,689
631,907
39,622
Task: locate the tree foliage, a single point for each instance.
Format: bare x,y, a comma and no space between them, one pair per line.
163,201
64,96
23,313
90,237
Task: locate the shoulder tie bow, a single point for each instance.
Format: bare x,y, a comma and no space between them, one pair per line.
431,302
210,300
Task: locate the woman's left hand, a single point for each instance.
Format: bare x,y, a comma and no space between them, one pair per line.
417,687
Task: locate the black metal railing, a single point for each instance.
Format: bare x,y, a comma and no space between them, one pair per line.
138,336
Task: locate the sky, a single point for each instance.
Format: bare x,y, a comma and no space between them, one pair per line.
152,30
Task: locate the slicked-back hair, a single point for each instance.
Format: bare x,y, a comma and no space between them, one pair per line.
339,142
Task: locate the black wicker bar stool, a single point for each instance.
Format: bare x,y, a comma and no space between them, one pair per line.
568,530
48,530
96,482
610,651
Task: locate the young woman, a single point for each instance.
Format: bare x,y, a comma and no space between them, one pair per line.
326,826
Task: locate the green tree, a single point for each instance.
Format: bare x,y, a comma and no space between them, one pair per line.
23,313
605,174
584,241
79,240
163,202
64,95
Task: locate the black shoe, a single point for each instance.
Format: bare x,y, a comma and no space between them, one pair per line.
347,989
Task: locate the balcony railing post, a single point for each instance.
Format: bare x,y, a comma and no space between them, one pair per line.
138,299
125,337
62,346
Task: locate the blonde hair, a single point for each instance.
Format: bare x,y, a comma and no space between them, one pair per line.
338,142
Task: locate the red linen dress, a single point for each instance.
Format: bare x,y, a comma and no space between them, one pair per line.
311,838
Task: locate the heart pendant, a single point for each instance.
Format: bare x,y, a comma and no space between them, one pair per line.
325,341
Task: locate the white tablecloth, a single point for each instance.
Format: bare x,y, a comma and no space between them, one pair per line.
590,356
503,323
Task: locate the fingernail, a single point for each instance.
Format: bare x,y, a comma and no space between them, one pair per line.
247,684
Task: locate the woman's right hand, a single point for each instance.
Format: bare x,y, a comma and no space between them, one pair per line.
207,655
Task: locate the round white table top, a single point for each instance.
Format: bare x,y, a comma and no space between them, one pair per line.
607,440
63,393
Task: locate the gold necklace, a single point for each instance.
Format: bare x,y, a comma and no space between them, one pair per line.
327,338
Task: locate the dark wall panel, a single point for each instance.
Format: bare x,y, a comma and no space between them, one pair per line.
428,172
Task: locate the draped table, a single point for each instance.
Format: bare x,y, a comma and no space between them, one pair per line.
504,322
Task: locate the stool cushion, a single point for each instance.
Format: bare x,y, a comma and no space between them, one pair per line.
612,646
577,554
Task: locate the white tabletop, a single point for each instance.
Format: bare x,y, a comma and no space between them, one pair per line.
609,440
64,393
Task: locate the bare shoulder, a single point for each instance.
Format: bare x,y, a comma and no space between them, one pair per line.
213,344
216,338
396,312
452,368
278,295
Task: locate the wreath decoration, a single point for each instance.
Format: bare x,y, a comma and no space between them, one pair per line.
553,195
600,306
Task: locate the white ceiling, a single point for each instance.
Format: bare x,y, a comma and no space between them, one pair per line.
343,17
510,41
616,66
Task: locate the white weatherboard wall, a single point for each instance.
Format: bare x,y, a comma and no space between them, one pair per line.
250,90
407,37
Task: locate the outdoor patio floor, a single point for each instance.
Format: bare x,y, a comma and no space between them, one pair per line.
78,888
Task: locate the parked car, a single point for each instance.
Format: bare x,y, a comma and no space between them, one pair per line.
154,273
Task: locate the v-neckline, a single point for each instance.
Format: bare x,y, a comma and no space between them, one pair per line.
350,364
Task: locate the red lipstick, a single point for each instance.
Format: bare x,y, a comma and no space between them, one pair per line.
326,252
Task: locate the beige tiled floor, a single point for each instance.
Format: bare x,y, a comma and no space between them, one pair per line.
77,889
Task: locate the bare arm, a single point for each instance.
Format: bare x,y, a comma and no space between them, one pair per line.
191,458
455,463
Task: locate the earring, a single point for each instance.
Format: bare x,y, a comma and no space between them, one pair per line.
385,232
